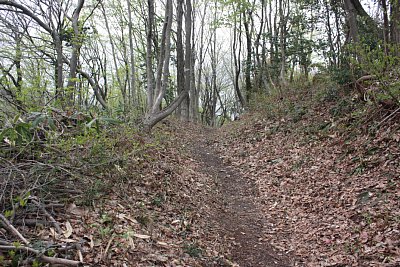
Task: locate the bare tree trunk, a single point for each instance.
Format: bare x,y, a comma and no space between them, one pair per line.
395,21
149,56
163,61
59,65
17,60
237,46
114,55
194,96
214,71
76,47
258,74
132,77
338,40
351,20
332,56
201,55
247,70
180,60
188,55
282,43
155,114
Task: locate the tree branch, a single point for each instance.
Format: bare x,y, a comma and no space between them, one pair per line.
27,12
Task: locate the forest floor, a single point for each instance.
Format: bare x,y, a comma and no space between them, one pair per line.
315,185
238,216
328,180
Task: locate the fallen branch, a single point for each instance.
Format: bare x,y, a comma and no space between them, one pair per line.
108,246
48,215
8,225
365,78
388,117
360,88
31,222
51,260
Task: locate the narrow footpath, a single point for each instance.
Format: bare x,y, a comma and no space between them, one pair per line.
238,218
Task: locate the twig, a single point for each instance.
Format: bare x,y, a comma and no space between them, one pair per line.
55,167
13,229
365,78
79,248
5,184
388,117
51,260
108,246
31,222
48,215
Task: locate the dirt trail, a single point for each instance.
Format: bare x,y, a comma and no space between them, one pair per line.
238,218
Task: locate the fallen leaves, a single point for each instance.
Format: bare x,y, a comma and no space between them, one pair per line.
329,201
68,232
142,209
141,236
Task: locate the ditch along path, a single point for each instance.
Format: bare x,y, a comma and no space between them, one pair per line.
238,218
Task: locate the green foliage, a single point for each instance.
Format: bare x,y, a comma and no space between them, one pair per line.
193,250
158,200
343,107
383,63
341,75
95,123
94,192
43,118
297,113
8,213
18,133
68,35
21,133
36,263
22,200
105,232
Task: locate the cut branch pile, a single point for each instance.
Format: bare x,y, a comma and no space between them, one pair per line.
23,215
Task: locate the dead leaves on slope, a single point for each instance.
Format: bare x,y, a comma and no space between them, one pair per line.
329,200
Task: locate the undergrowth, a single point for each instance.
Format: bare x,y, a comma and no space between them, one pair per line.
333,108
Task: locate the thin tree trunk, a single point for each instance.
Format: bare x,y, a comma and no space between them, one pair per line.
76,47
194,96
114,55
332,56
188,55
149,56
180,61
201,54
59,66
282,45
163,62
132,79
17,60
351,20
247,70
237,45
395,22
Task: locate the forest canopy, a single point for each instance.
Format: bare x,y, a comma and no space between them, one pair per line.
203,61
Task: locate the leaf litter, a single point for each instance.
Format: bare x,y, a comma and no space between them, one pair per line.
330,197
323,197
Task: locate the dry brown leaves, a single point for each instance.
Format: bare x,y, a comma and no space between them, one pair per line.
156,216
148,210
331,198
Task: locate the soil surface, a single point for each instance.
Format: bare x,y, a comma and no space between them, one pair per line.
237,217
